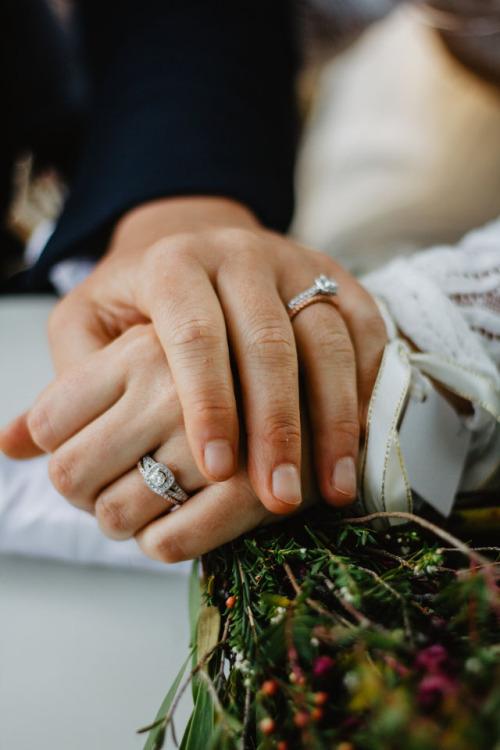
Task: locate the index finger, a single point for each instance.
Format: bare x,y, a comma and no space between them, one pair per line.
189,322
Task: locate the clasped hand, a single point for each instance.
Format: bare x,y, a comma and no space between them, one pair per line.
189,305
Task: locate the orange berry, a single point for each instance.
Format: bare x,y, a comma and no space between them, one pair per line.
267,725
320,698
317,714
230,602
282,745
269,687
301,719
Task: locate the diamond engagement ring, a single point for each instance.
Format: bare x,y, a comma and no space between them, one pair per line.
323,290
161,480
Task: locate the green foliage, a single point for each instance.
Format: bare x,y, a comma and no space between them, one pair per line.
156,736
343,637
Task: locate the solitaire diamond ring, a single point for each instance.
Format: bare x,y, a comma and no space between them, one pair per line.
323,290
161,480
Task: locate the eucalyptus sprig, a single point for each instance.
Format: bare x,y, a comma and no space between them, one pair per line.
324,633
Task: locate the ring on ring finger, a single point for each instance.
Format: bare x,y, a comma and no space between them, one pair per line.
161,480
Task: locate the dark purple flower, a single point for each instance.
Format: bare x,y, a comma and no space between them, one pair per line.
433,689
352,723
322,666
438,623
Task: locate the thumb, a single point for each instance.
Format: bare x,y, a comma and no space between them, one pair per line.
75,330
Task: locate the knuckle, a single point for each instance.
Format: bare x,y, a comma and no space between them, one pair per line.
62,476
239,240
167,549
112,517
195,332
282,431
337,343
170,250
346,429
271,341
211,408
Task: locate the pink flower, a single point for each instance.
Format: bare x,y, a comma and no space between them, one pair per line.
322,666
433,659
433,689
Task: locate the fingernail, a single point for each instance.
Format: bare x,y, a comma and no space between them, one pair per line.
286,484
219,459
344,476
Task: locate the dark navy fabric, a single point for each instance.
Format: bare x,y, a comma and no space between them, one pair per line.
186,97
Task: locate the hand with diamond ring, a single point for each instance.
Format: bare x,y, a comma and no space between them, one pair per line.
215,285
100,417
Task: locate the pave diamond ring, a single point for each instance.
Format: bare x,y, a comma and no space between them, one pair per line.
161,480
323,290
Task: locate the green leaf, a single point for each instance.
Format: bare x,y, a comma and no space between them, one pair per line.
201,724
194,601
155,739
253,547
208,630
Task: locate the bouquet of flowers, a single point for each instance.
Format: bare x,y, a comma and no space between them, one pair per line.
324,633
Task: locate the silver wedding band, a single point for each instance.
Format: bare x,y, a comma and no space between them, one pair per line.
324,289
161,480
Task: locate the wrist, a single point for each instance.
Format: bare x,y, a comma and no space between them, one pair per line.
146,224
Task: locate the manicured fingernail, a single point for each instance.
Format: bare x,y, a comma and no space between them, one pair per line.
344,476
286,484
219,459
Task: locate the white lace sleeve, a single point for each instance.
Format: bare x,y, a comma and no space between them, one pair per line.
446,300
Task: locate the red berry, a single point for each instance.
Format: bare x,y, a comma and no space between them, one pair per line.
267,725
301,719
317,714
282,745
269,687
230,602
320,698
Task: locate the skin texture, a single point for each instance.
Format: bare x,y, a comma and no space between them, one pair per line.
214,284
98,428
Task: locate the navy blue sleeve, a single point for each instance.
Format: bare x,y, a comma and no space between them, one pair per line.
190,97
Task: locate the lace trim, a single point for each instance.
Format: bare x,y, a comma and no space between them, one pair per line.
486,334
488,300
475,275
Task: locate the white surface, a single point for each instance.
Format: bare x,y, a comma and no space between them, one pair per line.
87,654
34,519
25,364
